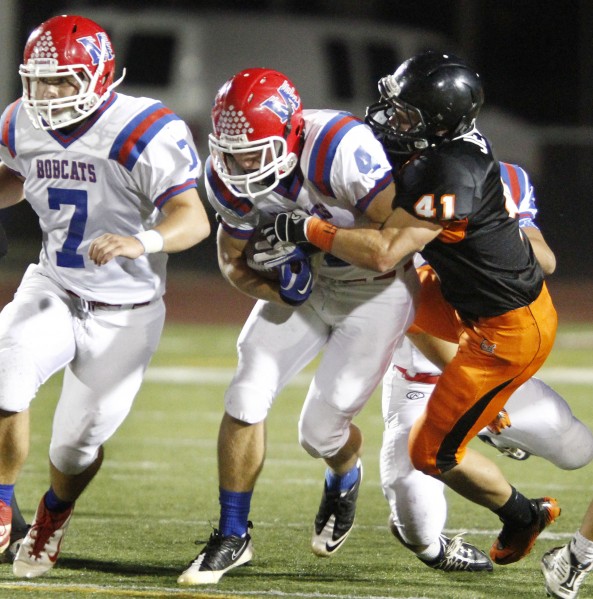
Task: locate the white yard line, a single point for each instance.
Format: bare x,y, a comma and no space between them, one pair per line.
188,375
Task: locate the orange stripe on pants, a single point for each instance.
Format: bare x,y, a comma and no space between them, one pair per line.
496,355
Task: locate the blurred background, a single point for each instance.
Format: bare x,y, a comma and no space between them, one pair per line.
535,56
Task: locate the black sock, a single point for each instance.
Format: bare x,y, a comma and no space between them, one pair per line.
518,510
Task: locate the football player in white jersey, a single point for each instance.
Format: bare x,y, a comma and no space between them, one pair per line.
267,155
536,420
112,179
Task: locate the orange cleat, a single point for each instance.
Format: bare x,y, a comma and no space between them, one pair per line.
515,543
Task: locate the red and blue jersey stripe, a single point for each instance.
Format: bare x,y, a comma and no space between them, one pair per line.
240,206
509,173
9,127
364,202
173,191
67,138
324,149
130,143
517,181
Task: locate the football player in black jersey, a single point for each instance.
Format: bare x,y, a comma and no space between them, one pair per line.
450,207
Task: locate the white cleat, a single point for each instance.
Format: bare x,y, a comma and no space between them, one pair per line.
220,555
41,546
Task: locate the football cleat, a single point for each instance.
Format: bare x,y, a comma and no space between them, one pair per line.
41,546
220,555
514,543
335,518
16,540
5,525
458,556
514,453
563,573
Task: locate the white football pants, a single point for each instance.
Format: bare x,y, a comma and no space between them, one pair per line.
104,352
356,324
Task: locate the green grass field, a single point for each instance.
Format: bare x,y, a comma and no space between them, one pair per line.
134,529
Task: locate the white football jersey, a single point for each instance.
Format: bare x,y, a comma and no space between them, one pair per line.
341,169
111,174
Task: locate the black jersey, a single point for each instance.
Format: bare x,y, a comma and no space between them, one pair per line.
485,264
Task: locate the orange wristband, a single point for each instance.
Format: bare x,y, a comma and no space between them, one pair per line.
321,233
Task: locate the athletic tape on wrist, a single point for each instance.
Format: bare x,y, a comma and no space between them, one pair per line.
320,233
151,240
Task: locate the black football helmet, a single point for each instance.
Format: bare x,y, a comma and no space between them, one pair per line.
438,94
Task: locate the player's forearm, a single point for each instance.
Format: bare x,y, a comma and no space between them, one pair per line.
249,282
11,187
368,248
544,254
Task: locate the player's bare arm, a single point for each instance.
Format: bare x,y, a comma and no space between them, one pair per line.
383,249
11,187
185,224
544,254
234,268
380,208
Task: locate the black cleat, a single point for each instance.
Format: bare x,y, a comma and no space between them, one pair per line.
335,518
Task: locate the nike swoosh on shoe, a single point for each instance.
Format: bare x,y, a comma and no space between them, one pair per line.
330,547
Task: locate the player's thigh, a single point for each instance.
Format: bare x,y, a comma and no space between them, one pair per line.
368,326
36,340
115,345
275,343
434,315
496,355
402,401
114,350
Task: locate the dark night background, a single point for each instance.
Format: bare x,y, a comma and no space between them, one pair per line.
536,59
532,53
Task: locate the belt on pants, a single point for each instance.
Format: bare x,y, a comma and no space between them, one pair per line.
420,377
93,305
388,275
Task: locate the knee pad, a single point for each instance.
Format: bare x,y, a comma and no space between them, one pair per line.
320,440
247,402
72,460
19,380
576,447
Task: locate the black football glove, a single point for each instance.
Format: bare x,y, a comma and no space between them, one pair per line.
290,226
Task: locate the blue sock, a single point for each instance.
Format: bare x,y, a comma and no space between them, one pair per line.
54,504
234,512
6,492
341,483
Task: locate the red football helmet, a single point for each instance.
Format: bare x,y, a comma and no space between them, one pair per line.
257,115
67,46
